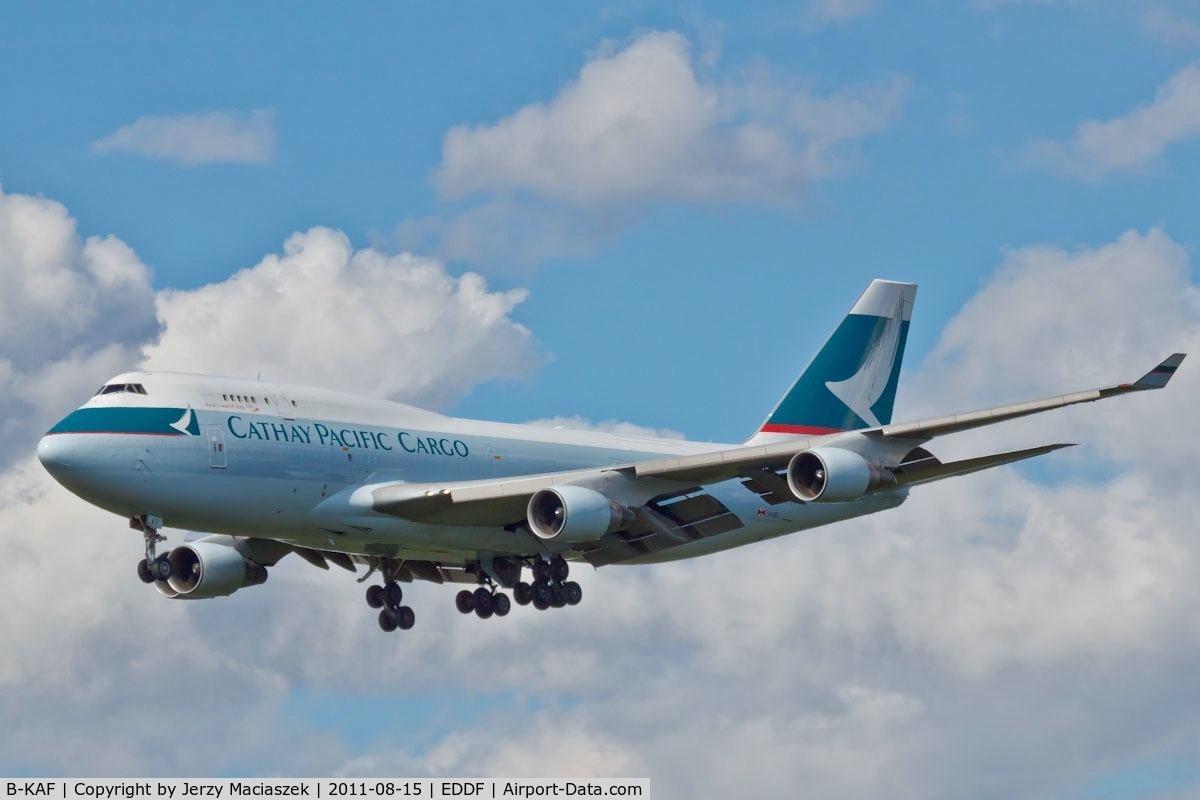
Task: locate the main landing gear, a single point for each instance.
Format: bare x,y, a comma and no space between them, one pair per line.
151,568
550,589
484,602
387,598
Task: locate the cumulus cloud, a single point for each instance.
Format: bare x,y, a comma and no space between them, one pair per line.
72,313
639,126
995,637
1131,143
212,137
1109,313
322,313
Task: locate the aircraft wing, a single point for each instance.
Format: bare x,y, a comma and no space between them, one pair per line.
503,502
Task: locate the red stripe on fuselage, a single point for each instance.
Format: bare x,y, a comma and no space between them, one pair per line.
803,430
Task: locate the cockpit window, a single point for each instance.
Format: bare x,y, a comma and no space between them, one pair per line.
113,388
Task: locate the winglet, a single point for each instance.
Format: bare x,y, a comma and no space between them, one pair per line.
1158,377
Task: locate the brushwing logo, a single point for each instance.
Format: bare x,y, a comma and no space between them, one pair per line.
864,388
184,424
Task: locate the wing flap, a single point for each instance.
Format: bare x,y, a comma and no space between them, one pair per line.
937,471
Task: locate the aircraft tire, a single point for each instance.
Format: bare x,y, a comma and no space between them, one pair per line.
558,598
541,592
501,604
522,593
393,595
560,570
541,571
483,603
574,592
162,569
464,601
387,623
406,618
375,596
540,603
143,570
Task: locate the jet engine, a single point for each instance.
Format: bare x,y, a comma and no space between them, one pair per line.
834,475
574,514
201,570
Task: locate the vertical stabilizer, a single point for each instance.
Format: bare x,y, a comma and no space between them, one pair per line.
851,384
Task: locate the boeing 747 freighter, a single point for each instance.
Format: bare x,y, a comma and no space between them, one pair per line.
269,469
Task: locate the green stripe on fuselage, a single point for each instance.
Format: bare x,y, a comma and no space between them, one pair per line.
152,421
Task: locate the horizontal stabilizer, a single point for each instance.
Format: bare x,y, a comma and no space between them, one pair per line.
937,471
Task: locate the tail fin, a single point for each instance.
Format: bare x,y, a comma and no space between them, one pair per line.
851,383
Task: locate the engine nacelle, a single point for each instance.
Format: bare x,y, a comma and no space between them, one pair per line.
201,570
574,514
834,475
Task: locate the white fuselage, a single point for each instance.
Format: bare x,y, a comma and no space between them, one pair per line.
278,461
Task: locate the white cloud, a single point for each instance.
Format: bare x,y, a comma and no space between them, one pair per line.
1131,143
322,313
1169,26
639,126
823,12
578,423
212,137
992,638
72,313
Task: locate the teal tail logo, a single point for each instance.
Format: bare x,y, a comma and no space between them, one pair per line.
851,384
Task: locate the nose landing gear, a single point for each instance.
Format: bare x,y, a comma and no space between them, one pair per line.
151,568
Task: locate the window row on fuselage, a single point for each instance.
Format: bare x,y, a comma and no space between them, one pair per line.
248,398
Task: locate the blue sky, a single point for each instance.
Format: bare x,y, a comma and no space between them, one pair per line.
1032,165
360,102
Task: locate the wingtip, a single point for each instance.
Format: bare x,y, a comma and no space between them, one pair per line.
1161,375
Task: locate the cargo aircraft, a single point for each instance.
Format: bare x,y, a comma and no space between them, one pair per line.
268,469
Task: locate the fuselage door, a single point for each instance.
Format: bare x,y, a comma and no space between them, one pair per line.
216,446
283,406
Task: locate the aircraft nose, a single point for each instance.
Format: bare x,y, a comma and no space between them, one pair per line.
56,452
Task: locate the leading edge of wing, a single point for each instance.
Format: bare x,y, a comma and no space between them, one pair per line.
490,502
1156,378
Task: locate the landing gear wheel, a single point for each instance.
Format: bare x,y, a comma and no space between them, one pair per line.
522,593
559,569
143,570
392,595
375,596
541,571
541,596
558,598
500,604
483,603
574,592
465,601
162,569
405,618
387,623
